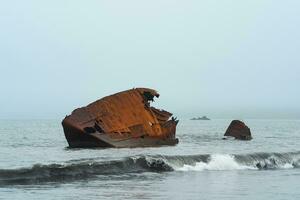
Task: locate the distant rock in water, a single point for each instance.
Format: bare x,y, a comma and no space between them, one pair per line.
200,118
238,130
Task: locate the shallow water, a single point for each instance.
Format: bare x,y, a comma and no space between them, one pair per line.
35,164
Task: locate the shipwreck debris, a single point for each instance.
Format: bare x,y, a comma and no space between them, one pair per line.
124,119
238,130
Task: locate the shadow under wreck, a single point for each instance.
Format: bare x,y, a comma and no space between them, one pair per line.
124,119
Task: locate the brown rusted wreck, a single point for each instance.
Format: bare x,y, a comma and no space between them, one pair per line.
125,119
238,130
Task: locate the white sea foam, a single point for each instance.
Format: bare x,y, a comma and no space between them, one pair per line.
287,166
217,162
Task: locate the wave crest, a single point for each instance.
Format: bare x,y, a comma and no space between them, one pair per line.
78,170
217,162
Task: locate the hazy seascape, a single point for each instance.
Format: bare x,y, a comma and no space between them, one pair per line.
229,60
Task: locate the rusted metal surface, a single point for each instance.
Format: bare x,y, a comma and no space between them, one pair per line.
125,119
238,130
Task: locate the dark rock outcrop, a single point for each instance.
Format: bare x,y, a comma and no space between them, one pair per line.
238,130
200,118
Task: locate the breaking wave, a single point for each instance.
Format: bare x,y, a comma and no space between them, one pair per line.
217,162
78,170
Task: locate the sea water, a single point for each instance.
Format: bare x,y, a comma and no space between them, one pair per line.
35,163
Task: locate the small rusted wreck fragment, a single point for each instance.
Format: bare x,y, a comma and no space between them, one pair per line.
125,119
238,130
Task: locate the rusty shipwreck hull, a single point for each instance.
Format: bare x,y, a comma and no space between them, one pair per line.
125,119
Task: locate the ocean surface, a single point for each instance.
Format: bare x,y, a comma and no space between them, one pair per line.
35,163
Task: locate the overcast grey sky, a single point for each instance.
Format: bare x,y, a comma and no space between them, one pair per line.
222,58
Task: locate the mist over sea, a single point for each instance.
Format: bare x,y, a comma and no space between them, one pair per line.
35,163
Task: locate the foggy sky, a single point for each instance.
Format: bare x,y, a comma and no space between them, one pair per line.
224,59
